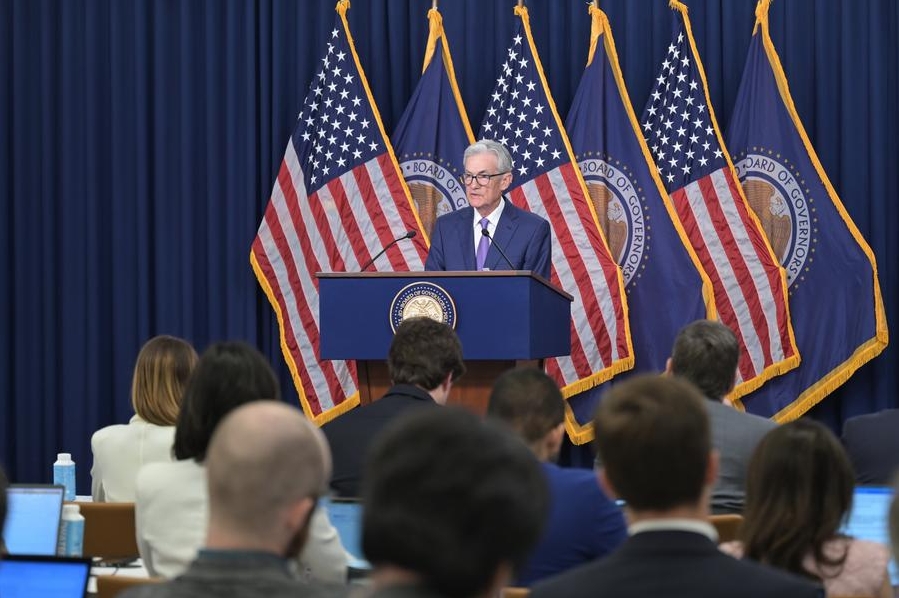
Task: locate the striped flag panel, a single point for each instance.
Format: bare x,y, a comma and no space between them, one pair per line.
748,283
338,200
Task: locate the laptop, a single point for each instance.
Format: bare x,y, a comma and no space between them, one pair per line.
44,576
32,520
869,519
346,517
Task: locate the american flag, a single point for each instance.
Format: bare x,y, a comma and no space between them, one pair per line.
749,286
338,200
522,116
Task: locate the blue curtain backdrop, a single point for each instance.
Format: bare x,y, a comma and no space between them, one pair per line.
139,140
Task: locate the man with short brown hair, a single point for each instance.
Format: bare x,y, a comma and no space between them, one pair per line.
652,434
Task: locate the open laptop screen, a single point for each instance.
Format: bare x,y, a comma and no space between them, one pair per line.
44,576
32,521
346,517
869,519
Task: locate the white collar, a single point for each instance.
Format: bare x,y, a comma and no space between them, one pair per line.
681,525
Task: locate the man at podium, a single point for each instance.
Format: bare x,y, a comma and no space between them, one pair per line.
490,234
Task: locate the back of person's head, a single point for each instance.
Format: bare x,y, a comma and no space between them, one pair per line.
452,499
228,375
528,401
706,353
653,438
799,489
161,372
264,458
423,352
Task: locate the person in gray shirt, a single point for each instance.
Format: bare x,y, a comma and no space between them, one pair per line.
266,467
706,354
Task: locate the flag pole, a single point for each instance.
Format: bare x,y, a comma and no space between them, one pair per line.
433,4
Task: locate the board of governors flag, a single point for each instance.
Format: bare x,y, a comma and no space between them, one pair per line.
522,116
749,285
433,132
835,302
639,222
338,200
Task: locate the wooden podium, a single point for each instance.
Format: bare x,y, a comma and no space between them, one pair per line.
504,319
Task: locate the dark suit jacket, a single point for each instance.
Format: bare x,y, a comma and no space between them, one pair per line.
674,564
523,236
873,446
351,434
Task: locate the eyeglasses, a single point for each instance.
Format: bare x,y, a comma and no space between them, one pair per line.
482,179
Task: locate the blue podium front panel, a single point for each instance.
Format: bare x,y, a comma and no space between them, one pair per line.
498,315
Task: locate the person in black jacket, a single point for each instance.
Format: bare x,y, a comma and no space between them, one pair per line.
424,360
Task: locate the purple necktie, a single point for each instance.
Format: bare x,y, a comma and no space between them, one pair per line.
483,245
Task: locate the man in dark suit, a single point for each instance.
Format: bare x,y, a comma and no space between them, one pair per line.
424,360
873,446
652,433
583,523
457,242
706,353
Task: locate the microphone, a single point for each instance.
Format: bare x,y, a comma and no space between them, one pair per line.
409,235
493,242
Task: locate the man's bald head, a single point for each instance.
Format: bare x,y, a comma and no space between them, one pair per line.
264,459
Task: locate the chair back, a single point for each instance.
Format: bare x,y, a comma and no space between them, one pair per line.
110,586
109,530
727,526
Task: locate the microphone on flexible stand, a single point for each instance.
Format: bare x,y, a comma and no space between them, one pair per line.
493,242
409,234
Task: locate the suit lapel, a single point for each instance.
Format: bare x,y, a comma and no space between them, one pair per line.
465,232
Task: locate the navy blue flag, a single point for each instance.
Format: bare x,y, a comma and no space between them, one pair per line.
835,302
433,133
639,222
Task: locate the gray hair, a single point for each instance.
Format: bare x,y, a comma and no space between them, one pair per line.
488,146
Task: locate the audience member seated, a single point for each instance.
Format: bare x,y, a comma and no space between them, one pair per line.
706,353
424,360
266,466
171,506
453,504
873,446
163,367
653,437
798,493
583,523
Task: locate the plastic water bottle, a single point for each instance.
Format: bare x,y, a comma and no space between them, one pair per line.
71,534
64,474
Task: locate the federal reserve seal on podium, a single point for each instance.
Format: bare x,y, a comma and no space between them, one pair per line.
422,299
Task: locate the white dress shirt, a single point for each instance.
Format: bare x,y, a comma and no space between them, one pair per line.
493,221
120,451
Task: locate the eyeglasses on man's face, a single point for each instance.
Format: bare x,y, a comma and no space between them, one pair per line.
482,179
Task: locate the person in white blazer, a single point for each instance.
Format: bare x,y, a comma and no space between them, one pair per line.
171,508
163,367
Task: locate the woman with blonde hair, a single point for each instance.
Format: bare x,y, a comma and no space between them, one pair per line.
798,494
163,367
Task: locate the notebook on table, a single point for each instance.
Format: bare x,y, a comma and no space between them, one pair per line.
44,576
32,520
869,519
